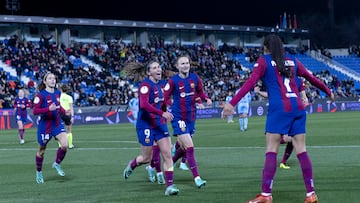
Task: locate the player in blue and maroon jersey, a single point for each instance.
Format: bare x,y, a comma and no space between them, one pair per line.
155,164
185,89
21,104
286,111
285,139
151,125
47,106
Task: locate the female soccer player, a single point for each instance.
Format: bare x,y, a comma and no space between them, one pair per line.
47,106
151,125
286,112
134,107
186,89
21,105
243,111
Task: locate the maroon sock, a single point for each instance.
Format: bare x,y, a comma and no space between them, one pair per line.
177,145
269,172
306,168
60,155
133,164
39,162
156,160
21,133
288,150
169,178
178,153
183,159
191,161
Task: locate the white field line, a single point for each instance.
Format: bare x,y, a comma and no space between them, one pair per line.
197,148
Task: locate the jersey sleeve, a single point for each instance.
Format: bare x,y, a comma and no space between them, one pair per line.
38,100
303,72
144,100
257,73
200,93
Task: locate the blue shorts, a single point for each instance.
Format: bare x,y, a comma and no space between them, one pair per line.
183,127
147,136
20,118
44,137
286,123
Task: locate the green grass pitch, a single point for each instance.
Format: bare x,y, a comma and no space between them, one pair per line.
231,161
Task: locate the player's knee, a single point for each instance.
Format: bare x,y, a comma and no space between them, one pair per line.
40,153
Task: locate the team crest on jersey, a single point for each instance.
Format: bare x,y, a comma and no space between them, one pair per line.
36,100
144,90
192,85
183,129
167,87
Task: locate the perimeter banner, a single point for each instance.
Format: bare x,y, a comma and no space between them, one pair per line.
117,115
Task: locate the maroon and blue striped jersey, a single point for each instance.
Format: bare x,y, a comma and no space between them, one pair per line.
151,105
283,92
49,120
21,105
185,93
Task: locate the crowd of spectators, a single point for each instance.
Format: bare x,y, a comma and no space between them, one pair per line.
220,72
354,50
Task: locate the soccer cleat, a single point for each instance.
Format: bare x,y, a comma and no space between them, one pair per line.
171,190
160,178
58,169
22,141
71,146
183,166
200,182
127,171
151,173
39,177
261,199
312,199
284,166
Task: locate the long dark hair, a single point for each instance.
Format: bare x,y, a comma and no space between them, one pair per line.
275,46
138,71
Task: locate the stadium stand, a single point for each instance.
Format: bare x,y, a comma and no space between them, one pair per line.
94,69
